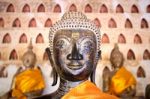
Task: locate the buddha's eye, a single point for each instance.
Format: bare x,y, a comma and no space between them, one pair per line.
87,46
61,43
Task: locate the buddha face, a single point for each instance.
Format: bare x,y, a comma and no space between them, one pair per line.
74,54
117,59
29,60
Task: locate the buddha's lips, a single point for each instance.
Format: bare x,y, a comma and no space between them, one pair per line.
74,66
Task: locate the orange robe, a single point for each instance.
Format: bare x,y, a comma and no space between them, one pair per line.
87,90
121,81
28,81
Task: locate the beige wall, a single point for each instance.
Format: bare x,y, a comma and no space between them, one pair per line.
113,33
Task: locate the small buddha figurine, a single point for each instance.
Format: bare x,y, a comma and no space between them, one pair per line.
106,79
28,83
122,82
74,52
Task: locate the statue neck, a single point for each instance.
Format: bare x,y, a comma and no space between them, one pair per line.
66,85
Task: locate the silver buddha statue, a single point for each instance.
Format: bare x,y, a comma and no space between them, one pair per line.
73,53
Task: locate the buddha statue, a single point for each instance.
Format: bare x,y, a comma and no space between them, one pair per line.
121,82
147,92
28,83
106,79
73,53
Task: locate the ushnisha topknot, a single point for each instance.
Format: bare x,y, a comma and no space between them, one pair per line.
74,20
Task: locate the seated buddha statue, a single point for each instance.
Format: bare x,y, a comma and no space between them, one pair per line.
73,53
28,83
122,83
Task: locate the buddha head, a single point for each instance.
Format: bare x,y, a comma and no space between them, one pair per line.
74,46
116,58
29,57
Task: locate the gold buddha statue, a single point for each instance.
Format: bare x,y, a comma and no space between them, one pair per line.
28,83
121,82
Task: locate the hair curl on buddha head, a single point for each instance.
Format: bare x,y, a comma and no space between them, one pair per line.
74,20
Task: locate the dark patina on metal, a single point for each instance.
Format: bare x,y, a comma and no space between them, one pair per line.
73,53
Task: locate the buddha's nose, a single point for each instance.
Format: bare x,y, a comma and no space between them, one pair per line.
74,55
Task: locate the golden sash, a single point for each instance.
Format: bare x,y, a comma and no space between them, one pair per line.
28,81
121,80
87,90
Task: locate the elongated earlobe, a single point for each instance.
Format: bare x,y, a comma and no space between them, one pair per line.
92,77
55,76
54,73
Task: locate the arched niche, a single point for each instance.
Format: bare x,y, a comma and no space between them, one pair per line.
73,8
146,55
10,8
106,70
16,23
130,55
26,8
141,73
57,8
103,9
121,39
105,38
144,23
97,22
39,38
48,23
32,23
137,39
41,8
45,56
134,9
23,38
13,55
148,9
119,9
7,38
106,78
128,23
88,9
112,23
1,22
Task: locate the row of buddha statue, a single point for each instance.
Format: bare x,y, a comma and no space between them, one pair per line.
73,53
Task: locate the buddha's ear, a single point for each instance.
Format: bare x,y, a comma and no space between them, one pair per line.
55,77
92,76
54,73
